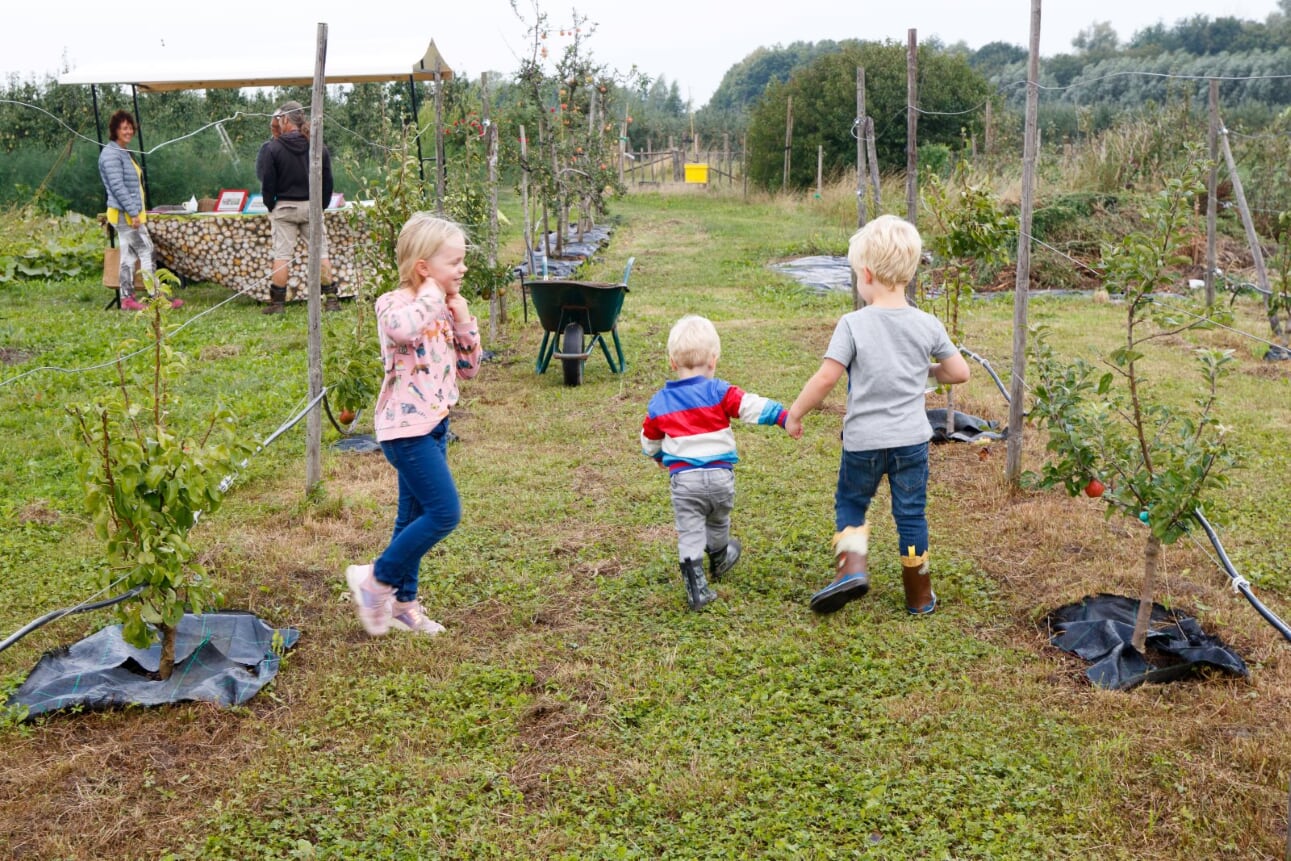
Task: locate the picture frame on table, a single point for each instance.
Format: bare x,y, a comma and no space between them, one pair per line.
255,205
231,200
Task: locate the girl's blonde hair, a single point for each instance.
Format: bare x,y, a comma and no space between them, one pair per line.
888,246
419,239
693,341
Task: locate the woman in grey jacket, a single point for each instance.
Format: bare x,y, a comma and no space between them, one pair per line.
122,180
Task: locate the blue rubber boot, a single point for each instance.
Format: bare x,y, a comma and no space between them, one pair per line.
851,552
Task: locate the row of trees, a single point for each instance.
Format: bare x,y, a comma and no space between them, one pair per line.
48,132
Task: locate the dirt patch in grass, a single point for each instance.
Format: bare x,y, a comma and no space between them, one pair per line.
14,356
87,786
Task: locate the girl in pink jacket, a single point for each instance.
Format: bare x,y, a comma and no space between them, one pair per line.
428,339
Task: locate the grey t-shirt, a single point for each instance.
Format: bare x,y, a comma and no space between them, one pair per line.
886,352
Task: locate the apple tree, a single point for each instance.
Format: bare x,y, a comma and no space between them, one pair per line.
1109,432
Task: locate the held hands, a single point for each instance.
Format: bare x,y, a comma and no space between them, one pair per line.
793,425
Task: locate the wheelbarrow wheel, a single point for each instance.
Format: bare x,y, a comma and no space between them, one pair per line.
572,344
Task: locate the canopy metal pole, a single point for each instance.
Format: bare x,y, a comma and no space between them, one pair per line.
98,132
138,133
412,93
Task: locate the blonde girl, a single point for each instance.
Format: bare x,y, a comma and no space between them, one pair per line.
428,340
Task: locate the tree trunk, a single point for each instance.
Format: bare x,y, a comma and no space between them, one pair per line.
167,665
1151,556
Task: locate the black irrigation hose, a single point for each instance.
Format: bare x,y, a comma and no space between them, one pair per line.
327,408
987,365
58,614
1240,583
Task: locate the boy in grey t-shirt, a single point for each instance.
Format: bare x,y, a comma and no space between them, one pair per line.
885,349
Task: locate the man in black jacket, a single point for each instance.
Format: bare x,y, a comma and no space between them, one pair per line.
284,184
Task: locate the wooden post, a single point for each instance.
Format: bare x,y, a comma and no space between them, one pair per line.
498,299
788,141
1022,286
1252,238
873,156
1212,187
313,271
623,142
440,170
912,139
820,169
726,156
744,164
861,216
524,203
988,135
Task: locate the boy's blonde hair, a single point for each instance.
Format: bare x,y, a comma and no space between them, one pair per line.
888,246
693,341
419,239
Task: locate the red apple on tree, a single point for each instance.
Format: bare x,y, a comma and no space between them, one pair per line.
1094,489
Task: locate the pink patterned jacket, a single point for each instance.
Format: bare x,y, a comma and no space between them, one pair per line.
424,351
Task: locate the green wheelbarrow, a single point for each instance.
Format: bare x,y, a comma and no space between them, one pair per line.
576,316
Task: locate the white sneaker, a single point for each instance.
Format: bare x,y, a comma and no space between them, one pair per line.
410,617
372,599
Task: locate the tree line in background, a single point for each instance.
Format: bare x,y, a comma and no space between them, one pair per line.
582,108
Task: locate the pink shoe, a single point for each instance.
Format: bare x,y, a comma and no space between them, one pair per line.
129,303
176,303
372,599
408,616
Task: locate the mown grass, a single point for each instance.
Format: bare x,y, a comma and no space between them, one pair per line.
576,709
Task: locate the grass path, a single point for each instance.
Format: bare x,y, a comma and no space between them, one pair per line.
576,709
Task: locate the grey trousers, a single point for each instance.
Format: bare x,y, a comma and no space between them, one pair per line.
702,500
136,244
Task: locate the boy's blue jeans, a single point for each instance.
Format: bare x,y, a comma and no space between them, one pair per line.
907,470
429,508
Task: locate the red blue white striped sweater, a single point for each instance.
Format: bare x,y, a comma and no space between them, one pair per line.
688,422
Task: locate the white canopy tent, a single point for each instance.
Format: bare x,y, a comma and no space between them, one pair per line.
348,67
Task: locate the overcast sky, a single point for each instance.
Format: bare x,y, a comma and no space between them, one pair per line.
692,42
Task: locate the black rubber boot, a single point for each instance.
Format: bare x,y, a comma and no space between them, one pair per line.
721,561
698,595
331,301
277,298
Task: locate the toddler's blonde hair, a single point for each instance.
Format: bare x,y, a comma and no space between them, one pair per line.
419,239
693,341
888,246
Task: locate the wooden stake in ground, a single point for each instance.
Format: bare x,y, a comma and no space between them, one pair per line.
497,301
912,139
1022,284
788,141
1212,189
314,421
1252,238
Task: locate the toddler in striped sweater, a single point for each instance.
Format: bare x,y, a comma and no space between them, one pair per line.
687,431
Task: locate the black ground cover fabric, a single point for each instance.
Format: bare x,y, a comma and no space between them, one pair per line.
223,658
1099,629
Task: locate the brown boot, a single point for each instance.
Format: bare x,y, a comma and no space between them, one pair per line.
852,580
920,600
277,298
331,302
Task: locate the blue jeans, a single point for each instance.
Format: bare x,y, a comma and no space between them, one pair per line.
907,470
429,508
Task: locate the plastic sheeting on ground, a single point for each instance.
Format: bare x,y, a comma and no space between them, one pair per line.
1100,629
361,443
576,251
820,273
967,428
223,658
